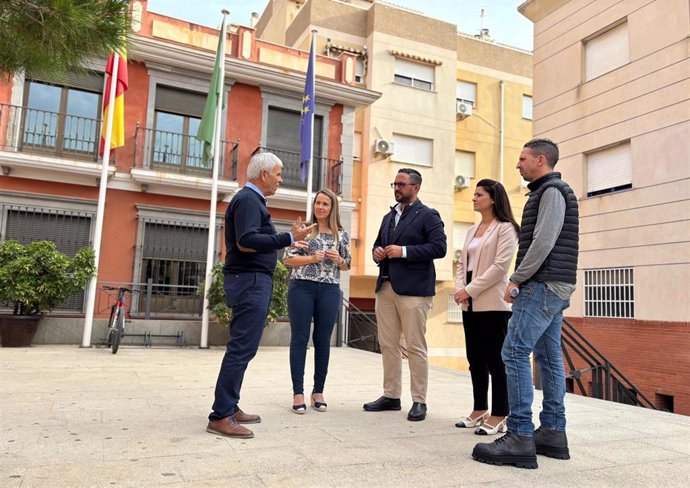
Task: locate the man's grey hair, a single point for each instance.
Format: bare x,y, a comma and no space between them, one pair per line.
262,162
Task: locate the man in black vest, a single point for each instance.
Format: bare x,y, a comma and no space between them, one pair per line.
410,238
540,290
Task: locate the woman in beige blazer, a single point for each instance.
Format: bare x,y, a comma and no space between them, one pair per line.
479,286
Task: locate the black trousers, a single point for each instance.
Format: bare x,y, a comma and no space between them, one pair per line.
484,335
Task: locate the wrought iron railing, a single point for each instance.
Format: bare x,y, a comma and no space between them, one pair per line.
57,134
179,153
325,172
606,380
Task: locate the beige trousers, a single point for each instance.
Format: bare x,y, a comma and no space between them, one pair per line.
400,315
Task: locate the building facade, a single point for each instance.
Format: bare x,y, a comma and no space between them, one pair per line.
611,88
451,107
158,197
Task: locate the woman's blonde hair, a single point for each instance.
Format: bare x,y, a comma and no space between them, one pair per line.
334,224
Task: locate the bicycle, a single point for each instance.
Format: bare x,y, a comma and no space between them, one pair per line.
116,323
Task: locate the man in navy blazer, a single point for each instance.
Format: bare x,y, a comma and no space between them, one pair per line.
410,238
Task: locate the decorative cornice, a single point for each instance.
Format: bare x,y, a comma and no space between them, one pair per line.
146,50
182,181
26,160
421,59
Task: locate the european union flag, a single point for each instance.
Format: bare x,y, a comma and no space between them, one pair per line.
306,130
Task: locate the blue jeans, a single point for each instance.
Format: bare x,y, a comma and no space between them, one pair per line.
248,295
535,327
307,300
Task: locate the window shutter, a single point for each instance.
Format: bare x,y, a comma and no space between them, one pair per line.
609,168
283,131
464,163
417,71
180,101
414,150
606,52
89,81
466,91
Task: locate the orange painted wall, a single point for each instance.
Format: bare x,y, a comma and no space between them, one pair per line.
244,123
136,100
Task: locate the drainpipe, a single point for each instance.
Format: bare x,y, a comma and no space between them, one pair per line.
500,132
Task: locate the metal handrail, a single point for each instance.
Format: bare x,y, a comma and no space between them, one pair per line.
605,375
61,134
347,310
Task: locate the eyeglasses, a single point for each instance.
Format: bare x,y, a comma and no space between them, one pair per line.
401,184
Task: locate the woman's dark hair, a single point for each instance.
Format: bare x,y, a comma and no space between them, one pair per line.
498,194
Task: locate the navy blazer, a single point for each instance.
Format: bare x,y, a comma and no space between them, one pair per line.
420,230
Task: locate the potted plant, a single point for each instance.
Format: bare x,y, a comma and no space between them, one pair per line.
216,296
34,279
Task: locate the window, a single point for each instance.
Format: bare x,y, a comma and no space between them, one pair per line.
282,138
173,257
415,150
610,292
454,310
526,107
70,231
414,74
464,163
357,146
466,92
359,69
606,51
459,233
609,170
177,118
63,118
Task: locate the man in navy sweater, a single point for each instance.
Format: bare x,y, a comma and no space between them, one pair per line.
251,245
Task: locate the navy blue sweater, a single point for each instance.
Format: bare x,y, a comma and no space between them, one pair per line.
248,223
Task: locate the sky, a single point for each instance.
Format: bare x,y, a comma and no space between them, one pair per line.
506,25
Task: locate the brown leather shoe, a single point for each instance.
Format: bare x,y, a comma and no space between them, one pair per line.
245,418
229,428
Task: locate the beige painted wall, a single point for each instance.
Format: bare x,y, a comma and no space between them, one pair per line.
644,102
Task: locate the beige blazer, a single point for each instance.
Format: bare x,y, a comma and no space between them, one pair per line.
490,274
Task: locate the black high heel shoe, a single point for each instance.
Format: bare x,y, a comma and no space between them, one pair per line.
318,406
300,409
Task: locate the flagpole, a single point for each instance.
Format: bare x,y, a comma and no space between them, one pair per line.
210,254
310,166
100,212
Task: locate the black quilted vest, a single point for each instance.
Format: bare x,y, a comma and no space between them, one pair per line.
561,263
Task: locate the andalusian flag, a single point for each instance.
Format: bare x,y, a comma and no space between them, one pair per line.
207,126
118,128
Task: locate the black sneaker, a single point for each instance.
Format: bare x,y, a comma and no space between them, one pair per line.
510,449
383,403
551,443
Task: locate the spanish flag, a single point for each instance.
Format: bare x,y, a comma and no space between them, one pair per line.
118,129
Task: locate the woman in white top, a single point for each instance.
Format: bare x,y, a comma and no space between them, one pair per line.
480,283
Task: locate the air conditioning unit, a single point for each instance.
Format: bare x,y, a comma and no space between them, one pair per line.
463,108
462,181
458,255
381,146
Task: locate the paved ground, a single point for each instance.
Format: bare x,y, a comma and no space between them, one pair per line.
75,417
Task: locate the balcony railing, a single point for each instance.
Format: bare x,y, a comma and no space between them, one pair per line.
326,172
179,153
49,133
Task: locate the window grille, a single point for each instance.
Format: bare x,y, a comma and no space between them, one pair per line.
610,292
70,231
454,310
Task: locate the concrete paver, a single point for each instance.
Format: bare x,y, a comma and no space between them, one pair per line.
74,417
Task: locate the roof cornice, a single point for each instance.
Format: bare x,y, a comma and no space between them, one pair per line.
146,49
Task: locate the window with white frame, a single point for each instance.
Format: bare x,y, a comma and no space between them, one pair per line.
606,51
609,170
414,150
465,163
357,146
413,74
610,292
359,69
526,107
454,310
466,92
